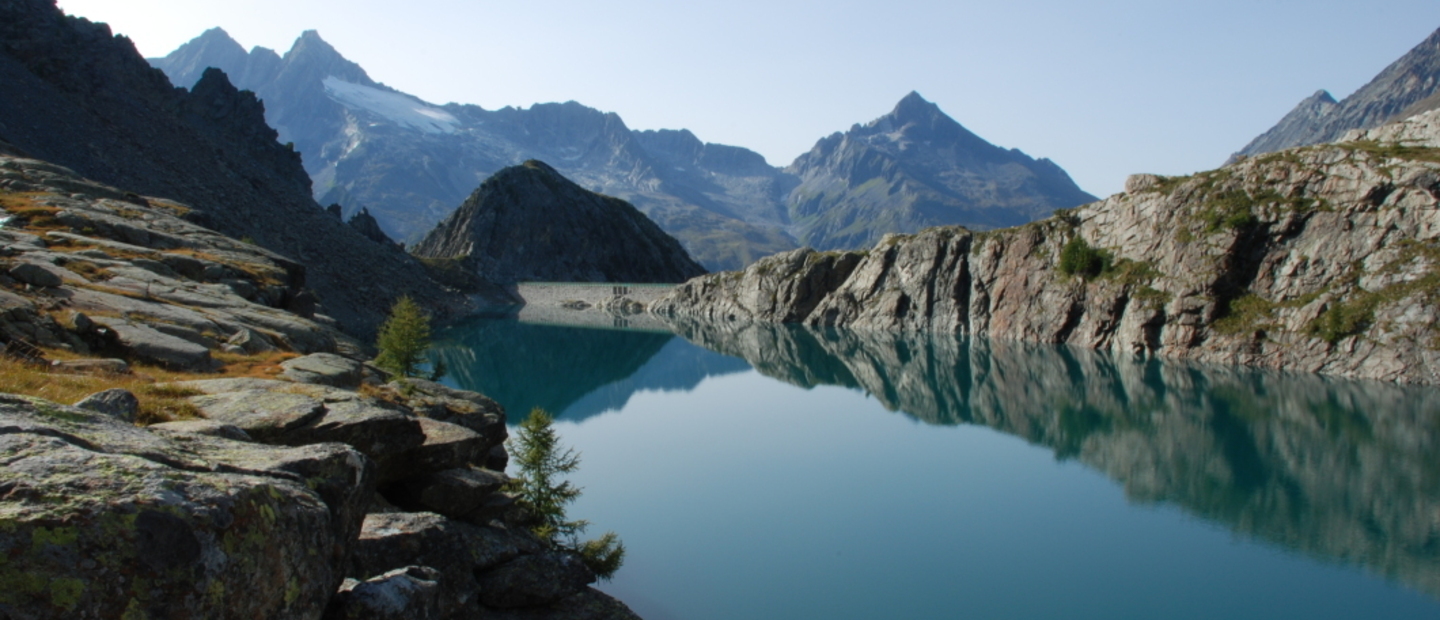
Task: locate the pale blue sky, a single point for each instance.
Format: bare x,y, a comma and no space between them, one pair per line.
1104,88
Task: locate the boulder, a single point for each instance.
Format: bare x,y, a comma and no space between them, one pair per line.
323,368
385,435
446,446
251,342
105,520
476,412
116,403
263,414
391,540
108,366
534,580
148,344
455,493
36,274
200,427
410,593
588,604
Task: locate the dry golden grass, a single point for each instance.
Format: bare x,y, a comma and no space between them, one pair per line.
158,402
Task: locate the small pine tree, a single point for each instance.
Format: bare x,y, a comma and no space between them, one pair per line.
403,338
544,493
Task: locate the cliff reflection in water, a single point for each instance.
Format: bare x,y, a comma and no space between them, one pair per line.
1338,469
572,372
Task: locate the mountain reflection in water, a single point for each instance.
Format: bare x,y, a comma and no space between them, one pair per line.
1340,470
572,372
1335,468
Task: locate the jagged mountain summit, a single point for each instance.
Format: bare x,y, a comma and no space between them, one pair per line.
410,162
914,168
530,223
1407,87
75,95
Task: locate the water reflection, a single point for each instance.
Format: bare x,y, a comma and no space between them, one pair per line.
1337,469
574,372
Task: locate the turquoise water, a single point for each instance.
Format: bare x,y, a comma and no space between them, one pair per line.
791,473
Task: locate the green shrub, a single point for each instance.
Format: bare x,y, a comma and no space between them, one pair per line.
1078,258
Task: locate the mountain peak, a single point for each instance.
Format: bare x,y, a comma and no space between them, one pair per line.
216,34
311,43
914,107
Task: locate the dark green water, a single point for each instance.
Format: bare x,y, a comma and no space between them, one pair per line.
779,472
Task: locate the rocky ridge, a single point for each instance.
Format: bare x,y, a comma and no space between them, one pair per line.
1409,86
81,98
1320,259
410,162
530,223
95,270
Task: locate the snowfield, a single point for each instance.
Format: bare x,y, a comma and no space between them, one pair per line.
398,108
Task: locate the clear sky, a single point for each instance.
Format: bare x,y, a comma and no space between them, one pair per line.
1104,88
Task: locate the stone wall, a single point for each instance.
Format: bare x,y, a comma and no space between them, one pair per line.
593,293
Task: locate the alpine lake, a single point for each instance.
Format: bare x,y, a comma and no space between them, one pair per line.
759,472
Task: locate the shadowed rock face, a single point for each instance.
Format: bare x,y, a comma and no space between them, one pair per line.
1339,469
1409,86
79,97
1322,259
530,223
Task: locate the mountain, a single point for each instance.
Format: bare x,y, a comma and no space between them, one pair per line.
914,168
410,162
1407,87
529,222
1317,259
77,96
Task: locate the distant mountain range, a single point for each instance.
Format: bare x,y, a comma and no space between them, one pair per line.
410,163
1407,87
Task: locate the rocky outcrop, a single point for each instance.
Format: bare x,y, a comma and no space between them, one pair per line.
1322,259
1409,86
914,168
101,519
530,223
79,97
99,271
262,509
1337,469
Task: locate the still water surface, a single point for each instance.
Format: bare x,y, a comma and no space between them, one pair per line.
781,472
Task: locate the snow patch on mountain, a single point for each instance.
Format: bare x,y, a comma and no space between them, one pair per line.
400,108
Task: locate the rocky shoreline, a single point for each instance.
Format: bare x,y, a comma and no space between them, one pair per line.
1319,259
321,488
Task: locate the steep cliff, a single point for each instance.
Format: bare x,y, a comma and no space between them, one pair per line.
77,96
530,223
1322,259
1407,87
